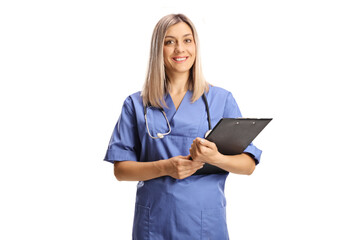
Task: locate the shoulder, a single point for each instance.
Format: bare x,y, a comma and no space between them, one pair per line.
133,102
218,92
134,98
221,98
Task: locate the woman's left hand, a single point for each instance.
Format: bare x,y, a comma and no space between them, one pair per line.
203,150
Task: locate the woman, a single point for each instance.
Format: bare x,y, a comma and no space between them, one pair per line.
158,141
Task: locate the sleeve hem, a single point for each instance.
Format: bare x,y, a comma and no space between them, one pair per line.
120,155
251,149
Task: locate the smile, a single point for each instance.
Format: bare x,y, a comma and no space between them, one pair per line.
180,59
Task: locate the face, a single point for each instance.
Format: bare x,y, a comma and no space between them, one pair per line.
179,49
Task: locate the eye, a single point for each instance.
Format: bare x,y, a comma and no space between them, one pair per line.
169,42
188,40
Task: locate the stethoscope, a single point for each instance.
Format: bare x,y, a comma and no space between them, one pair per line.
161,135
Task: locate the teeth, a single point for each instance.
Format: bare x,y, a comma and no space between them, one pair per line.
180,59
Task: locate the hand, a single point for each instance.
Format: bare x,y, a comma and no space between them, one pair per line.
203,150
181,167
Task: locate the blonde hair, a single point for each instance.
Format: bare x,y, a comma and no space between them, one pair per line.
156,83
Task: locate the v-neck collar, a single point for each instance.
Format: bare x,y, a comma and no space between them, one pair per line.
171,110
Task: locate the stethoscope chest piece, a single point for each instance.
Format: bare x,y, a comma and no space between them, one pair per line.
160,135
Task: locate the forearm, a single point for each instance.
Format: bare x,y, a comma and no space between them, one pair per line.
139,171
239,164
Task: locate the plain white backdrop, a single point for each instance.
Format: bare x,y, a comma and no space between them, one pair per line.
67,66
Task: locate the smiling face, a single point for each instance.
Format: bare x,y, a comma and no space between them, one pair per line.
179,49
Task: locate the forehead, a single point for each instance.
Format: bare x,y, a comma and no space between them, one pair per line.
178,30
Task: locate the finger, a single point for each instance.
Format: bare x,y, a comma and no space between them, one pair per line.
193,145
200,147
182,158
185,175
197,164
194,152
188,173
197,142
181,162
194,164
201,166
203,142
206,143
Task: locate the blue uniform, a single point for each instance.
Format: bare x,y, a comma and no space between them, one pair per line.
166,208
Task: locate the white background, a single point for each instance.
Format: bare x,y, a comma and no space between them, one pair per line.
67,66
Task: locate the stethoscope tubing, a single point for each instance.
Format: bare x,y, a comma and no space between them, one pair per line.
161,135
207,111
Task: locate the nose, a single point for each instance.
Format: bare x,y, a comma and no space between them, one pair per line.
179,47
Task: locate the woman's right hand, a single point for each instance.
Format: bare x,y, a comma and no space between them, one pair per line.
181,167
178,167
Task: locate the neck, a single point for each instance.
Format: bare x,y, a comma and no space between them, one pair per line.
178,82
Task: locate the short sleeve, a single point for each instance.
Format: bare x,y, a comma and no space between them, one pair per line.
124,144
232,111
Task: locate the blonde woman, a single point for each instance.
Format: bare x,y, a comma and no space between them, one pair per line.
159,141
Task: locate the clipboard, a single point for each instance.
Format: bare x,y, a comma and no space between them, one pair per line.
232,136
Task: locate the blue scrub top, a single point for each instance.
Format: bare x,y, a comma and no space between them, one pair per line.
168,208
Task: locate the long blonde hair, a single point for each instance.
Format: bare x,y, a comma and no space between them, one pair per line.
156,83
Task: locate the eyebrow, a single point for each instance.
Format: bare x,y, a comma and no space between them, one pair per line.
186,35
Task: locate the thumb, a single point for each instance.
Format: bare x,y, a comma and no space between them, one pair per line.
205,142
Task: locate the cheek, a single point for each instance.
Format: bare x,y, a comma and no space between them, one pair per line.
192,50
165,53
166,56
193,53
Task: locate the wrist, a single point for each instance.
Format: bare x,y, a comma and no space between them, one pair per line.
218,158
161,166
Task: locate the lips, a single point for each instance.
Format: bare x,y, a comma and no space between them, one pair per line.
179,59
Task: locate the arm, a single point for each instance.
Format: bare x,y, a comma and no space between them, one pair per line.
205,151
178,167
